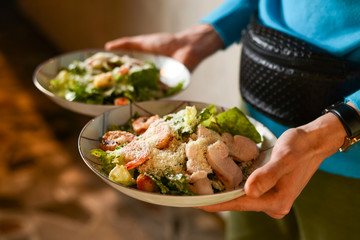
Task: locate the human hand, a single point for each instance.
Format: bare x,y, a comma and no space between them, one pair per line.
296,156
189,47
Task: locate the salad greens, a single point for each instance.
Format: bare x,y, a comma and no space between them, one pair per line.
233,121
106,78
184,124
172,184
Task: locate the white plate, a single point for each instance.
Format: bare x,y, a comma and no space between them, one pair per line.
89,139
172,73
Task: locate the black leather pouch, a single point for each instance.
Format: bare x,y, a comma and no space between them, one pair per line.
289,80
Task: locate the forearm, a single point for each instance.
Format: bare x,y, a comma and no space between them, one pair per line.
325,135
230,18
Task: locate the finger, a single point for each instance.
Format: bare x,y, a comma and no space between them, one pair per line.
273,203
265,178
226,206
243,203
275,215
131,43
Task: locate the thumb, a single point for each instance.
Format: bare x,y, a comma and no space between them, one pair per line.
263,179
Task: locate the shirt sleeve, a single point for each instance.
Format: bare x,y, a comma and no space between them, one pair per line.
354,99
230,18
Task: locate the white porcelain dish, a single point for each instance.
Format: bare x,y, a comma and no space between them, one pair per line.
172,73
89,139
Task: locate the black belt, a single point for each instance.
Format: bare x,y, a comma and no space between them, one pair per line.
289,80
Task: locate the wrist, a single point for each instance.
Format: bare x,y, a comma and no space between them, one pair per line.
326,134
349,117
353,106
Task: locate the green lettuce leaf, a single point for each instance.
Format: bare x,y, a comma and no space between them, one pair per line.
172,184
177,184
173,90
108,159
235,122
184,122
146,76
207,112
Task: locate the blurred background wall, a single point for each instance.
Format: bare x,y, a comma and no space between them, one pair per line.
73,25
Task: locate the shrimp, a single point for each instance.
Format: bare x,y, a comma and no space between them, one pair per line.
158,134
135,153
141,124
112,139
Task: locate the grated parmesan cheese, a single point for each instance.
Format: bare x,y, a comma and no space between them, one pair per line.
166,161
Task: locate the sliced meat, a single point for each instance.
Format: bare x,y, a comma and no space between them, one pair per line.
241,148
224,167
198,175
203,186
210,135
195,153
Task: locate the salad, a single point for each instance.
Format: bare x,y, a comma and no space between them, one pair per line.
189,152
107,78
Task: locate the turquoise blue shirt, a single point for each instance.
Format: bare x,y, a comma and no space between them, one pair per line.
332,25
